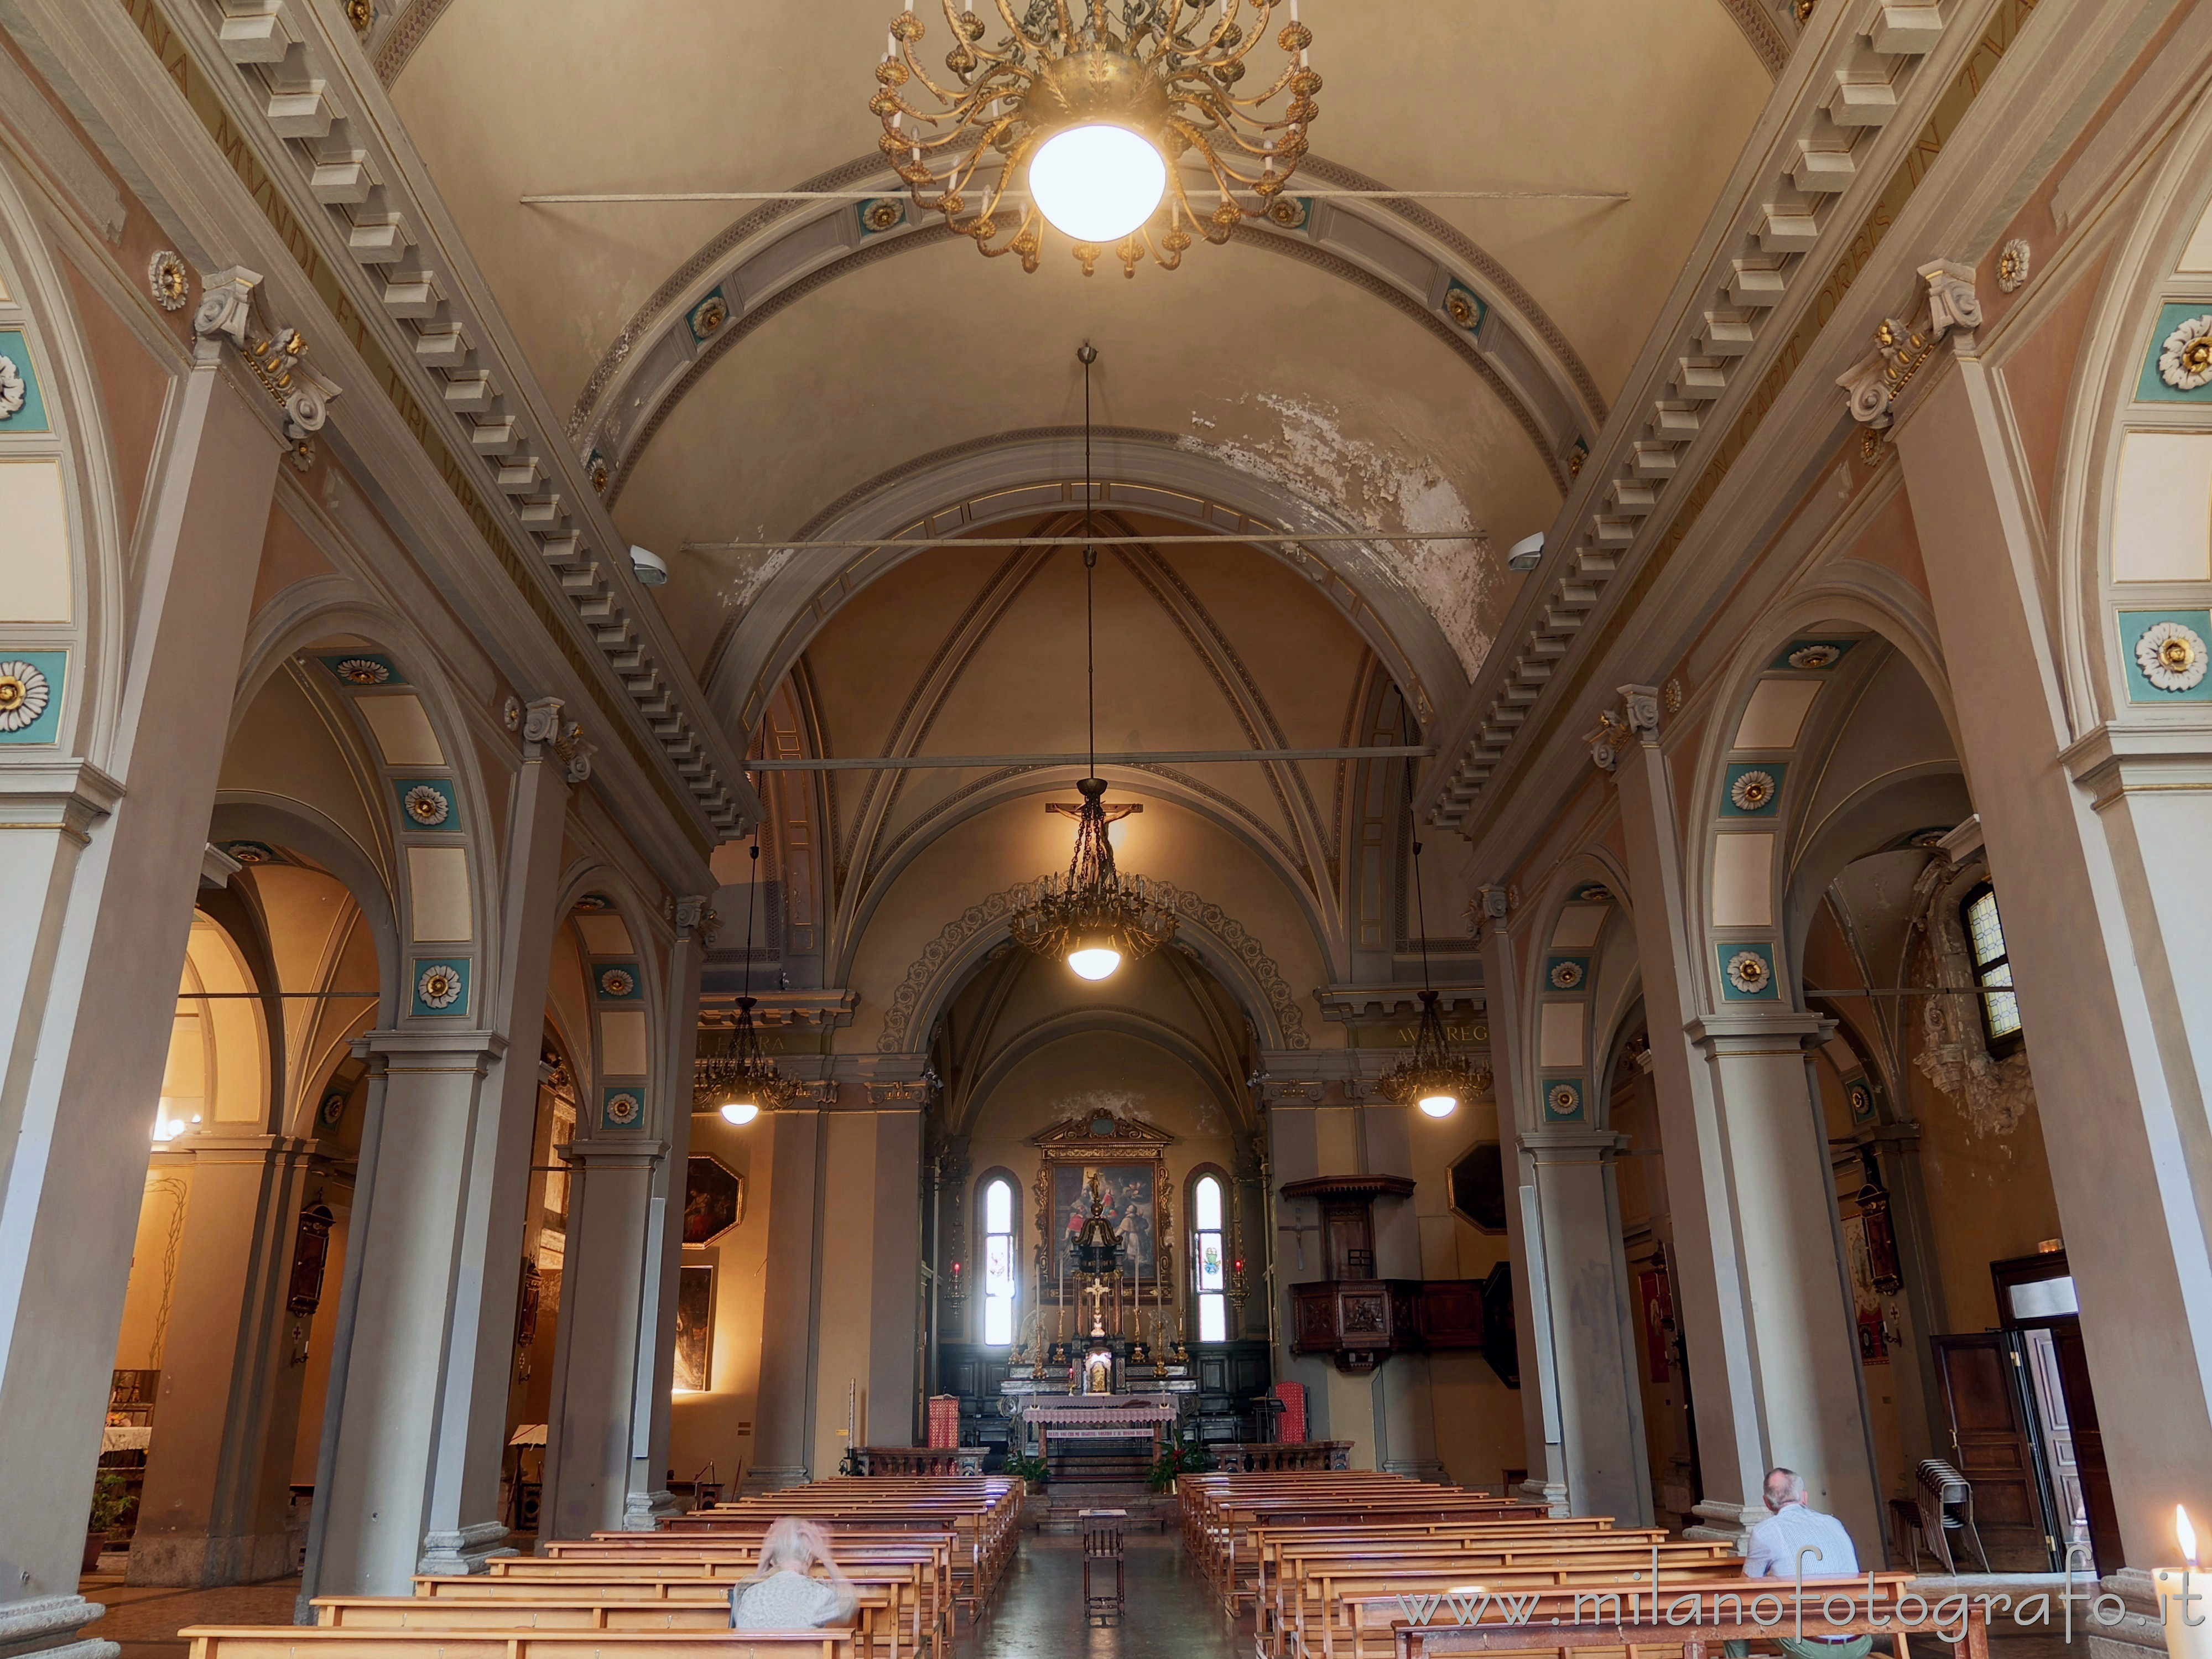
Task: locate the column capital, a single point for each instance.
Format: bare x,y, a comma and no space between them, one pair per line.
298,398
1578,1143
1949,308
67,796
431,1051
2114,762
1783,1031
614,1154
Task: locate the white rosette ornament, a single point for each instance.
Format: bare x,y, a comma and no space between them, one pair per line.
1748,972
2171,654
2185,360
440,985
24,693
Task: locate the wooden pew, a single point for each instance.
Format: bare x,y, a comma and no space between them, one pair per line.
1644,1637
1335,1611
926,1576
882,1619
317,1642
1308,1577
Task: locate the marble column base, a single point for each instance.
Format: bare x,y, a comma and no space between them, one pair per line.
1723,1523
643,1511
1552,1494
199,1561
48,1625
2136,1633
760,1478
1430,1471
449,1553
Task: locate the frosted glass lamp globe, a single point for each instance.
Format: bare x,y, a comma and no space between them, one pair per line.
1097,182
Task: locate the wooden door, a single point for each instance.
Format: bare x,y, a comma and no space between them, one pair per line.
2088,1445
1993,1444
2063,1473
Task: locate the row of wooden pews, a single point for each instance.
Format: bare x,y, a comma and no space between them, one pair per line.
1356,1565
919,1551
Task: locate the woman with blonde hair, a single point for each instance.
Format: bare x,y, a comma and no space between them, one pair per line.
783,1593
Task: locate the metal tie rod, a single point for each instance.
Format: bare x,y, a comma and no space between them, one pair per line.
653,196
1225,538
1156,758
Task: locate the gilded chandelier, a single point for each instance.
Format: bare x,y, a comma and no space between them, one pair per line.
733,1076
1094,916
1053,105
1434,1079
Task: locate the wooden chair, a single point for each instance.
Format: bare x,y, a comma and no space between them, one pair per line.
1102,1533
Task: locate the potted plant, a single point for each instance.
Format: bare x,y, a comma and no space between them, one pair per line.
111,1502
1032,1472
1177,1456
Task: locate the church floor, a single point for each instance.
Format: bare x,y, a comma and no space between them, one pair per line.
1039,1612
145,1619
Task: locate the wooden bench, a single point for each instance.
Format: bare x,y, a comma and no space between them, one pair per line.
885,1621
1347,1614
1645,1637
319,1642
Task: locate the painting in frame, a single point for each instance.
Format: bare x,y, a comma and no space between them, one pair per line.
695,1328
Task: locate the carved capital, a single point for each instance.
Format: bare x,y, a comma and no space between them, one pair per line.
541,724
1495,901
1612,735
695,918
227,304
1949,308
1641,702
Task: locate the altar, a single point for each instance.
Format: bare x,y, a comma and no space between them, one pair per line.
1098,1417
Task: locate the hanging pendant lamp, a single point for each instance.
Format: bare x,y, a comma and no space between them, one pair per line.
1094,917
1434,1078
736,1078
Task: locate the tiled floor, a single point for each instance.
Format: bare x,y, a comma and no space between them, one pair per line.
145,1619
1171,1611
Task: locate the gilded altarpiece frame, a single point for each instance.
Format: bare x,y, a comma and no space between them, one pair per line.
1110,1145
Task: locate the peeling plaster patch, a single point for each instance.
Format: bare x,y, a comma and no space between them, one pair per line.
1197,419
1091,1101
755,571
1384,491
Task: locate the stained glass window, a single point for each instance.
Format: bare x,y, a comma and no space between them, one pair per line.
1212,1280
1985,941
999,1283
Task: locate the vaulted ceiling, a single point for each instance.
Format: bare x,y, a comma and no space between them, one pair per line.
1428,366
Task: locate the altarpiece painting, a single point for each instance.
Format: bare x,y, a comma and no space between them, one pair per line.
1130,1161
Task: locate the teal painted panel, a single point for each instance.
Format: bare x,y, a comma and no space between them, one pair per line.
31,416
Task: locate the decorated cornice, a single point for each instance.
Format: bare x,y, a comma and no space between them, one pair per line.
1872,91
290,105
1396,1004
811,1010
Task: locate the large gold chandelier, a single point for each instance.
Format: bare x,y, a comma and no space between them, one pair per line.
1094,917
1434,1078
1096,105
733,1075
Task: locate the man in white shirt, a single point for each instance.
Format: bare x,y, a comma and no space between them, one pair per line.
1775,1544
1775,1547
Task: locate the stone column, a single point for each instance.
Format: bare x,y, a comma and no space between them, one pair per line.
1809,1410
422,1430
215,1504
396,1428
782,1451
611,1281
93,915
1543,1426
648,1497
1601,1409
1707,1265
2096,846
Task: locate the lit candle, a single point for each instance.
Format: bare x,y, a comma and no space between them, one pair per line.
2185,1605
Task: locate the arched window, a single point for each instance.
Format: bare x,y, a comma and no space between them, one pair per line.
1000,1282
1985,943
1210,1269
